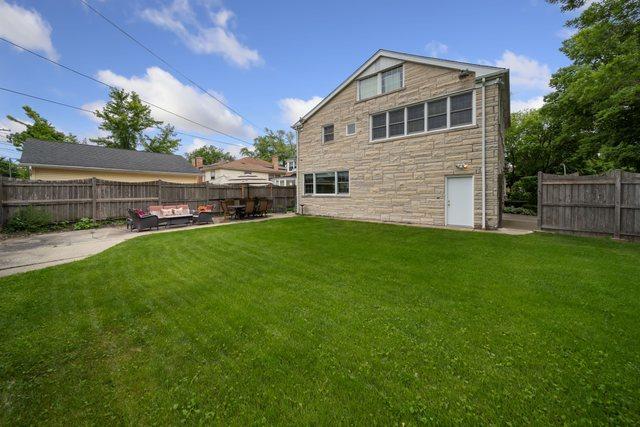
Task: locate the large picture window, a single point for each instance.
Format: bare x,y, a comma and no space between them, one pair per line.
444,113
383,82
327,183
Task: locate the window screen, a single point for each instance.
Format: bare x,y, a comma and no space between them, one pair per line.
396,122
308,183
392,80
437,111
343,182
415,118
461,109
368,87
327,133
325,183
351,128
379,126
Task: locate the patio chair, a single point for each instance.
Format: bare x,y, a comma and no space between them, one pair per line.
250,209
204,215
226,212
142,222
263,205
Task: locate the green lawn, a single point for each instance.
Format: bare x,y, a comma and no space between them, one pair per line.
307,320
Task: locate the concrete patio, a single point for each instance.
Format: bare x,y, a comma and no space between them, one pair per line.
38,251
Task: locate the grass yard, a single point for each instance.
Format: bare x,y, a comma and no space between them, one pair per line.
305,320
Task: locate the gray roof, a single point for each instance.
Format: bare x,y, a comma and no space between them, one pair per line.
60,154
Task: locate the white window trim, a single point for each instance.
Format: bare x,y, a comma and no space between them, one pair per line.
335,180
334,133
379,80
426,118
355,127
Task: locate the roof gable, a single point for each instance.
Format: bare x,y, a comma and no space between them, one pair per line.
383,59
62,154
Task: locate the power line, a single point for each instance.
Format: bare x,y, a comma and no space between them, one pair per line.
94,113
87,76
139,43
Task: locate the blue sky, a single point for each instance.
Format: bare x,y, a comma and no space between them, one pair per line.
270,61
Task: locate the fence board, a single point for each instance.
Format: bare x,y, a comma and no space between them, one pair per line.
101,199
598,205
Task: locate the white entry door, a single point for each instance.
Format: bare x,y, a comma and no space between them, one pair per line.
459,203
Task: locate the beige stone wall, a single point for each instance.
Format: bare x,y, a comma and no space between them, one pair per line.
403,179
54,174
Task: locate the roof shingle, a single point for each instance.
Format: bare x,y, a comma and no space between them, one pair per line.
60,154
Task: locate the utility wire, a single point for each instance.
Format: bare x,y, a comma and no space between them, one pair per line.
139,43
94,113
87,76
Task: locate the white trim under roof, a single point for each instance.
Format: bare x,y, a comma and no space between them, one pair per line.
85,168
480,71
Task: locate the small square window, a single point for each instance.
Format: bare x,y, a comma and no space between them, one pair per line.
327,133
351,129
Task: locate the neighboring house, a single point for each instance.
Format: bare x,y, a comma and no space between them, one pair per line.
55,161
408,138
246,170
289,178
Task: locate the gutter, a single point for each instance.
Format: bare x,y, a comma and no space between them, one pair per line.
297,127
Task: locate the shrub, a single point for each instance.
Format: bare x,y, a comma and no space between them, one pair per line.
519,211
29,219
524,191
84,224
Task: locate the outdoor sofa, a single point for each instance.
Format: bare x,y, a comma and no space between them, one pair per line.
172,214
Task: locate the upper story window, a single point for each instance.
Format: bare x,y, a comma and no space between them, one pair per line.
291,166
351,129
444,113
383,82
327,133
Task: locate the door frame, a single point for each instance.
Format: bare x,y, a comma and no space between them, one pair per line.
473,200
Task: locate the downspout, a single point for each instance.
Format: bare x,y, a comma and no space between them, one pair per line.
484,157
297,168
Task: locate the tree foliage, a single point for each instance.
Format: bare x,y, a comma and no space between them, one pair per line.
39,129
9,168
125,118
166,141
210,154
272,143
596,100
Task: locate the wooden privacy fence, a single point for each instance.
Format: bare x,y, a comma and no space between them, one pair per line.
99,200
596,205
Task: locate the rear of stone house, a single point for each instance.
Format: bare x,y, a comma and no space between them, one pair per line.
402,140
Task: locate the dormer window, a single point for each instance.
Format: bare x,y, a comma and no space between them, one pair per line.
383,82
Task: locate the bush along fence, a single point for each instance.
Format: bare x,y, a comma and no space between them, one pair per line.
590,205
102,200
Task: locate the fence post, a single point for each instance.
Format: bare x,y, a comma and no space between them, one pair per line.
618,196
159,192
540,174
94,201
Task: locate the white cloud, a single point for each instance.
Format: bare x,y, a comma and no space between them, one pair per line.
159,87
565,33
435,48
179,18
93,106
525,73
528,104
294,108
222,17
26,28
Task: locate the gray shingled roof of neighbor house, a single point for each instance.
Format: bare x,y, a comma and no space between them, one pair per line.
60,154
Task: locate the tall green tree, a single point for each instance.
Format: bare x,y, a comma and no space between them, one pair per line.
39,129
210,154
9,168
125,118
272,143
596,100
166,141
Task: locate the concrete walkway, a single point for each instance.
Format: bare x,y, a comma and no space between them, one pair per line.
44,250
520,222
